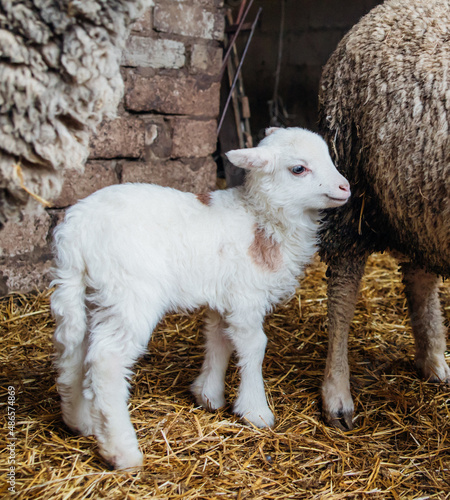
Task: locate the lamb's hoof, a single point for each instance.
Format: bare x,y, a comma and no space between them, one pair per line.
79,429
77,416
341,420
206,397
127,461
259,418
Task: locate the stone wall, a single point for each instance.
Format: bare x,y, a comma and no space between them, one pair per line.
165,130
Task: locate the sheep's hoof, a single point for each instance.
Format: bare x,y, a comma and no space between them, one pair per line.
340,419
337,404
434,370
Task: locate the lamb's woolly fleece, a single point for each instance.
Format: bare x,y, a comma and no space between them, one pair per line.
135,252
385,113
59,76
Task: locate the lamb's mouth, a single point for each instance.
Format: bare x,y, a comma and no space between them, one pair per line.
338,200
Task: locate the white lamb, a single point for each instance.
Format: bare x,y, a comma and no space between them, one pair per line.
130,253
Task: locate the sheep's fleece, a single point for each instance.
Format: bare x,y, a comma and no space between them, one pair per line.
59,77
385,111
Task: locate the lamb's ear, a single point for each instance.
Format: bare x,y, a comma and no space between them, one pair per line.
271,130
259,157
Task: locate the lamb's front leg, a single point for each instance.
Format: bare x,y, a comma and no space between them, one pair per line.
209,387
421,289
247,335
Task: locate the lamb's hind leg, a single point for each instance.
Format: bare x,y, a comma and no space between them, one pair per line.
76,409
421,289
70,340
115,346
343,287
209,387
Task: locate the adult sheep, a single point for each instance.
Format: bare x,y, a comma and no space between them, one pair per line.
59,77
384,111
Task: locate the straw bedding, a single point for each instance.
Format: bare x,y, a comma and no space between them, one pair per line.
400,447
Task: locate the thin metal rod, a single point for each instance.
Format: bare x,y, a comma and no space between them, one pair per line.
233,39
241,11
278,70
238,70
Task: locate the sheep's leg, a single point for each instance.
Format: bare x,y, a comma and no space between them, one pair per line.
115,346
247,335
209,387
76,409
343,287
68,308
421,289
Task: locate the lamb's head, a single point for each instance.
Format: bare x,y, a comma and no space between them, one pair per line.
291,169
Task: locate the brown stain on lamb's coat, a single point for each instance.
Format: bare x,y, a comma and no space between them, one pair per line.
204,198
265,252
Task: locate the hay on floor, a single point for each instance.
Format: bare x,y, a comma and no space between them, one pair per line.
400,447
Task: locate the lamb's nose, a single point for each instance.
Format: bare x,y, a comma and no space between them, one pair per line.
345,187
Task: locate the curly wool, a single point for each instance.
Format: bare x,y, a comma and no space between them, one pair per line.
59,77
385,110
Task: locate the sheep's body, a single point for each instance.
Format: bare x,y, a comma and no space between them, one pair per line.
385,110
59,76
132,220
135,252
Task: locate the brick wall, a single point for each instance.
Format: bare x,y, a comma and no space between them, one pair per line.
165,131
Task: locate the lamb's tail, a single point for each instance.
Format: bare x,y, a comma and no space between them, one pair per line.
68,301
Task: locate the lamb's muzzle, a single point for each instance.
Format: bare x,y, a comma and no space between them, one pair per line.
344,194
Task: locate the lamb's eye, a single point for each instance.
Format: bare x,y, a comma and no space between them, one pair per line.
298,170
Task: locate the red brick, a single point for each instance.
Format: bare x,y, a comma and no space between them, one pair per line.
123,137
26,273
97,174
206,59
158,137
148,52
181,95
193,138
196,175
144,25
188,20
24,236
